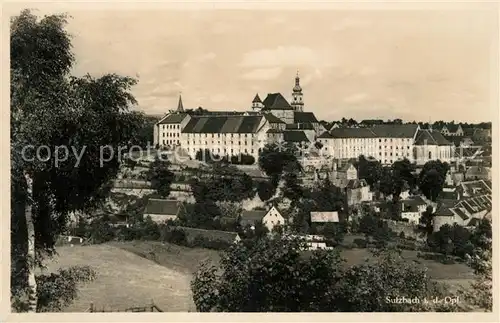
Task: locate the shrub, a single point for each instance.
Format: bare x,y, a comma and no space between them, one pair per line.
402,235
360,243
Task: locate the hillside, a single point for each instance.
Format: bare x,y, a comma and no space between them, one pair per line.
125,280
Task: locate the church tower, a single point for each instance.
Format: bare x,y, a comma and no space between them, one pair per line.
257,103
297,96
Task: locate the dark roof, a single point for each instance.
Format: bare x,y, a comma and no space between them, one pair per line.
449,195
377,131
257,99
460,213
356,183
444,210
456,140
428,137
296,126
173,118
272,130
276,101
325,135
271,118
352,133
250,217
301,117
452,127
395,131
164,207
294,136
192,233
223,124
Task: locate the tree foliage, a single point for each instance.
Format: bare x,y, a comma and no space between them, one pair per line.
275,275
432,178
274,158
82,114
161,176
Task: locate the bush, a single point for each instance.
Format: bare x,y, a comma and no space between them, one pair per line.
360,243
265,190
402,235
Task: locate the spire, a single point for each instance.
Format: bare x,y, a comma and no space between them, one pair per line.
180,107
297,87
257,98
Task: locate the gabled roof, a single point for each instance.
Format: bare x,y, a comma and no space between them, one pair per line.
173,118
271,118
276,101
250,217
323,217
326,135
223,124
428,137
452,127
460,212
295,136
352,133
345,167
272,130
163,207
303,117
477,171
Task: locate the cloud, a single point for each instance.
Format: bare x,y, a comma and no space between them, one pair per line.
286,56
206,57
263,74
358,97
348,23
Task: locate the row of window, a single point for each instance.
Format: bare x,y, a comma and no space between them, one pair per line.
171,126
232,135
224,150
170,134
245,143
171,142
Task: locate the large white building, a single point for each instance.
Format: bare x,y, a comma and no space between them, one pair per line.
274,119
227,133
387,143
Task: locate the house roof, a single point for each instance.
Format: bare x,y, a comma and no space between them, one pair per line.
460,212
173,118
478,187
345,167
395,131
256,99
356,183
477,171
452,127
223,124
352,133
457,140
302,126
428,137
322,217
192,233
276,101
250,217
163,207
304,117
271,118
325,135
295,136
272,130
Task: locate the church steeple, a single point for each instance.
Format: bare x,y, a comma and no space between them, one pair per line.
257,103
297,96
180,107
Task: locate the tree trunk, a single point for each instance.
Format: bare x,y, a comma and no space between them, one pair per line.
32,293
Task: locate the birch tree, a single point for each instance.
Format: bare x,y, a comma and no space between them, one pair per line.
58,125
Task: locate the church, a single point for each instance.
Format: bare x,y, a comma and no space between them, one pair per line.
230,133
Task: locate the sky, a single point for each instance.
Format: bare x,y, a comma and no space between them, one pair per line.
414,64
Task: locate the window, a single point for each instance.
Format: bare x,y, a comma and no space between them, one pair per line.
430,155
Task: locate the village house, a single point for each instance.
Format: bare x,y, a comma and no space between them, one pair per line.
478,172
324,217
162,210
412,209
343,174
270,218
452,130
358,191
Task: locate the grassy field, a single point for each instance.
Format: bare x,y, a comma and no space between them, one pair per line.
133,273
125,280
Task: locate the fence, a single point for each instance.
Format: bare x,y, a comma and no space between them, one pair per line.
148,308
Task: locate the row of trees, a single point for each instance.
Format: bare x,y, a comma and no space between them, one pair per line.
207,156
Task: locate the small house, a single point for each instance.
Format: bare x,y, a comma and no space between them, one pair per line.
358,191
269,218
324,217
412,209
161,210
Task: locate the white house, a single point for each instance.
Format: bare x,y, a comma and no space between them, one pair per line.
324,217
412,209
270,218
